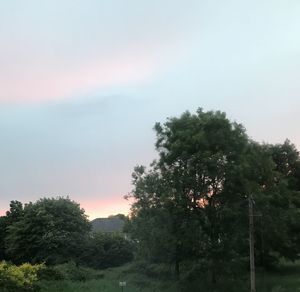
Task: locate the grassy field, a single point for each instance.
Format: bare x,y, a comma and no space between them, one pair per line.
284,279
108,281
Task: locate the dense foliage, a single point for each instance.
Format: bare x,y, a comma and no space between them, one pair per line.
19,278
49,230
192,204
105,250
56,231
190,210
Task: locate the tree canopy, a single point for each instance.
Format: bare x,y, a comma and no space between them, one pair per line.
55,231
49,230
192,203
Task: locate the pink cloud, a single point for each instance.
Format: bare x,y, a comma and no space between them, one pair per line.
31,76
43,82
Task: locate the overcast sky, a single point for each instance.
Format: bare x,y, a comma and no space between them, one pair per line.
83,82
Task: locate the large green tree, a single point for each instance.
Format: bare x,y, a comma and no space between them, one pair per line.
49,230
194,185
278,205
192,204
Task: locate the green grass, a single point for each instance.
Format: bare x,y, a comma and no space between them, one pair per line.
286,278
141,278
108,281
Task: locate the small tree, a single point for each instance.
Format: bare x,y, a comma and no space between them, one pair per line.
49,230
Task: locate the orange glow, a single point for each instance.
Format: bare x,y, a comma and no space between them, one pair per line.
100,207
2,212
105,207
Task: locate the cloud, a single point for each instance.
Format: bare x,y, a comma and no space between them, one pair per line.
94,77
53,50
41,83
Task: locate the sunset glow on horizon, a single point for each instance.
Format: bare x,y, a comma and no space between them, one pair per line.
106,207
98,208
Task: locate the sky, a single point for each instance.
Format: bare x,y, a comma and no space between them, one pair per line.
82,83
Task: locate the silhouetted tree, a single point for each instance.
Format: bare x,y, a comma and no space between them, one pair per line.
50,230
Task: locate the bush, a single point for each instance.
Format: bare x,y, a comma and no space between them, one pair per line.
72,272
153,270
69,271
105,250
19,278
50,273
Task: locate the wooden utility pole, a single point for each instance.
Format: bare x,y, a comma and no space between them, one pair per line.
251,244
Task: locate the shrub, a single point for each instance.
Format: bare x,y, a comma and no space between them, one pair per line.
105,250
69,271
50,273
19,278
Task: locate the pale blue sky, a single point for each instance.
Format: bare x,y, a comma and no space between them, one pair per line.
83,82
